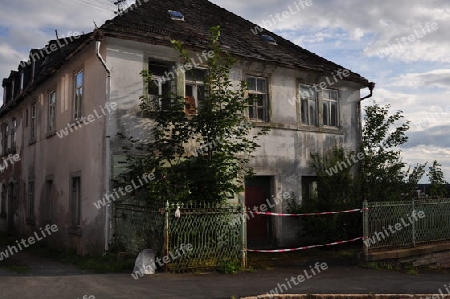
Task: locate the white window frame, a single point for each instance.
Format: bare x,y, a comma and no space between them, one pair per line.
12,90
161,79
33,120
308,99
13,134
78,90
22,78
5,136
51,119
254,105
195,84
327,104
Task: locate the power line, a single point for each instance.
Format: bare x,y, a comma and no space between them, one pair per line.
90,5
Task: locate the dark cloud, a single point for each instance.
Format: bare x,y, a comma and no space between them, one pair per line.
438,136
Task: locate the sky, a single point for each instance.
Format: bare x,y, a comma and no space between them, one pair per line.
402,45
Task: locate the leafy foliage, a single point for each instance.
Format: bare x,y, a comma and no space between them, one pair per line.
383,174
334,193
438,185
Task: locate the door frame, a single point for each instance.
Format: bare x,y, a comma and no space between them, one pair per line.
271,233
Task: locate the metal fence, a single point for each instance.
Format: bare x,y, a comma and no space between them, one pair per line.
192,236
406,224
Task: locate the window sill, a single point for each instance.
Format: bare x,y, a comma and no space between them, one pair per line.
265,124
50,134
323,129
76,231
8,152
31,220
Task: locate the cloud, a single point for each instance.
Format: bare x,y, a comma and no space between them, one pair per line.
436,136
357,34
437,78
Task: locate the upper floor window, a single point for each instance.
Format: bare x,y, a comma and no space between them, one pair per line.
258,102
33,123
195,90
163,82
3,199
5,91
78,94
330,107
51,111
308,105
22,78
12,89
13,134
5,138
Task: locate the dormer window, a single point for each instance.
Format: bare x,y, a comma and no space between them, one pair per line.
176,15
5,91
33,67
22,78
269,39
12,89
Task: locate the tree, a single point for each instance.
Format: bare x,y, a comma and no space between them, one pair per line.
438,185
336,191
223,136
383,173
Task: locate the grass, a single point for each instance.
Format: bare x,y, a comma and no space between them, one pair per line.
14,267
406,268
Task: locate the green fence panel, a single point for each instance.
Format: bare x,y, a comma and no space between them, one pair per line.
138,227
395,225
199,236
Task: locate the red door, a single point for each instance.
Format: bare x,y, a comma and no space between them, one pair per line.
257,193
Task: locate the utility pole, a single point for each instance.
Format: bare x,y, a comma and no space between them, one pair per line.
119,4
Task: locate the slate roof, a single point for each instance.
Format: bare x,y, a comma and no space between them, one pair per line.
45,65
149,22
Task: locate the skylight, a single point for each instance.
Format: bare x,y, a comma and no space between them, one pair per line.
176,15
269,39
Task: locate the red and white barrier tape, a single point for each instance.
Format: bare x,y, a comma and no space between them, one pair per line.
306,247
306,214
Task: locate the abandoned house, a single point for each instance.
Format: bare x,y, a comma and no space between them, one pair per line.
66,110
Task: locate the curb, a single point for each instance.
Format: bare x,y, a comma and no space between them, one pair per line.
349,296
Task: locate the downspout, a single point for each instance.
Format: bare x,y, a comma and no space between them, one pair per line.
98,37
371,87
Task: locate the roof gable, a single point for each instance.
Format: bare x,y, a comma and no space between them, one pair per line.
149,21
